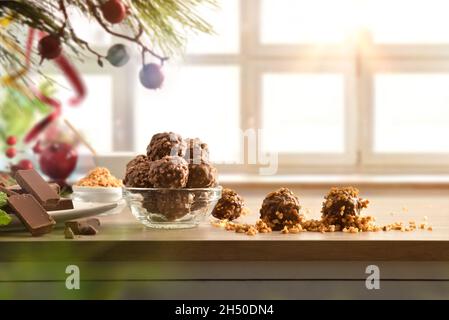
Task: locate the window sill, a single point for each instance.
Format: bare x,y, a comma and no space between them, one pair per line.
327,180
117,162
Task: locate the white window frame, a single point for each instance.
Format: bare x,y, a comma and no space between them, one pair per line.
354,59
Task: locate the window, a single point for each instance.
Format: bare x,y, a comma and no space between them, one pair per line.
333,85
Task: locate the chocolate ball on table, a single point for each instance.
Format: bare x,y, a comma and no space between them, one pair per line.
166,144
169,172
138,175
230,206
197,151
341,203
280,208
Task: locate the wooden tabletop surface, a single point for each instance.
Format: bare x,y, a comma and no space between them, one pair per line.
122,238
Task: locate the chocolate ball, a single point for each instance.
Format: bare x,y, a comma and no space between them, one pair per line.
230,206
342,202
138,175
202,175
280,208
169,172
197,151
174,204
166,144
139,159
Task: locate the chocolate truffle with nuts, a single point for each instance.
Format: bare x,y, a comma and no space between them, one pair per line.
166,144
137,175
138,159
169,172
280,208
341,203
174,204
202,175
230,206
197,151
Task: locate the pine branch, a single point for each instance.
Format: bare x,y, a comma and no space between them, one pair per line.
162,23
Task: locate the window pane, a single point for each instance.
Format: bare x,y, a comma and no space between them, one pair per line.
225,22
195,102
92,118
408,21
305,21
411,113
88,29
303,113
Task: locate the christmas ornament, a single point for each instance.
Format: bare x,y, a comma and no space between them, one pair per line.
49,47
58,160
118,55
11,140
151,76
11,152
114,11
37,148
24,164
74,79
78,85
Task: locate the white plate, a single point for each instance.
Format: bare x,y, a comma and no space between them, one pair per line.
82,210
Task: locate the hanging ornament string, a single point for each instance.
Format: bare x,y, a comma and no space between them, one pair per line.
76,82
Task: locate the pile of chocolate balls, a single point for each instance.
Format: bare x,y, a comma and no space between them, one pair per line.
172,162
172,166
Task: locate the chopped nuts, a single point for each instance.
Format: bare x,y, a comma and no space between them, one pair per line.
100,177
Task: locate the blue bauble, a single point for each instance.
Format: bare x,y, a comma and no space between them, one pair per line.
118,55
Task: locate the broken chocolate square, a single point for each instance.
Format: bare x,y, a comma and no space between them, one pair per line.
63,204
84,227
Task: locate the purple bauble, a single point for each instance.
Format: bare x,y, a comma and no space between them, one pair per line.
151,76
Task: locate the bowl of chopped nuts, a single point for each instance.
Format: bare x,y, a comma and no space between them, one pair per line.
166,208
98,186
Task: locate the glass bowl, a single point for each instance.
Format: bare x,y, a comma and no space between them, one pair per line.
171,208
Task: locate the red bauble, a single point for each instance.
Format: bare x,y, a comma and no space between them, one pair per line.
11,140
49,47
58,160
11,152
114,11
25,164
37,148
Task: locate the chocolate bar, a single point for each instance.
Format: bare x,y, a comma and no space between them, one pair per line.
63,204
33,183
31,213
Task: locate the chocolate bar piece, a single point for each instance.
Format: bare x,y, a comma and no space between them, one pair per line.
17,189
63,204
33,183
31,213
84,227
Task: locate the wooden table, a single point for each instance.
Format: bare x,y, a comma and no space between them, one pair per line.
127,260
